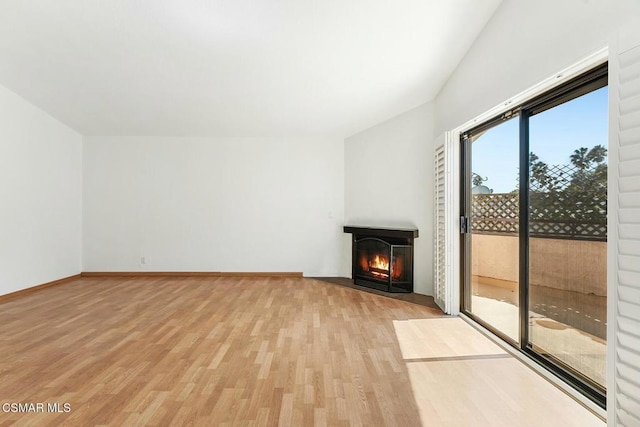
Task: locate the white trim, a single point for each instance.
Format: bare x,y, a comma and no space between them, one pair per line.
452,157
612,232
562,385
452,214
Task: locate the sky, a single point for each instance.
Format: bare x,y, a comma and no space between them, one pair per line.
554,135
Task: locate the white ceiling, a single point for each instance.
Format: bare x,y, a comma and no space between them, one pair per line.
232,67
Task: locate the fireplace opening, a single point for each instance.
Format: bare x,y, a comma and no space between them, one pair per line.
378,259
383,258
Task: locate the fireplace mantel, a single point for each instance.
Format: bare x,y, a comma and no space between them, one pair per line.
398,232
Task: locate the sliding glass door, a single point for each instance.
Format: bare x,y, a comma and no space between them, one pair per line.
534,229
568,233
492,211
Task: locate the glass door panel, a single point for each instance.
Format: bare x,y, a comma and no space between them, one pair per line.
492,269
568,234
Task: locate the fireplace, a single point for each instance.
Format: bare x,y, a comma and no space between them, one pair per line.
382,258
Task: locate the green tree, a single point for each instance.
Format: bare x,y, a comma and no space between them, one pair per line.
572,193
587,189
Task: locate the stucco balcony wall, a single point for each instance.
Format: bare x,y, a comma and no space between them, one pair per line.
571,265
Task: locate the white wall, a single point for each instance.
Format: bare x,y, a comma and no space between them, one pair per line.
213,204
40,196
389,181
524,43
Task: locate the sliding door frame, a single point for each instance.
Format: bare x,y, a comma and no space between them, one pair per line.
593,79
523,227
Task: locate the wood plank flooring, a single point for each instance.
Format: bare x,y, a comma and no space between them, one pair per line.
241,351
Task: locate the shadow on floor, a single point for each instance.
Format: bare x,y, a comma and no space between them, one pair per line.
420,299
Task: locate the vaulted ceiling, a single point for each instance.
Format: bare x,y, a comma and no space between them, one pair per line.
232,67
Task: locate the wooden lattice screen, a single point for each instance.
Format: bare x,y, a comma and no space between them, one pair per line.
495,213
549,216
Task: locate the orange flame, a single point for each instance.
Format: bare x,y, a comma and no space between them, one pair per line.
378,266
379,262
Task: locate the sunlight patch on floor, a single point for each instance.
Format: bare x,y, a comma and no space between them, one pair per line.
441,337
491,392
455,381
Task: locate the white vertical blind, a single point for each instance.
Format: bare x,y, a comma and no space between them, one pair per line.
624,236
439,227
451,221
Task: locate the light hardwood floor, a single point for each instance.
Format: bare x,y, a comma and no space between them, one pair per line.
257,351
